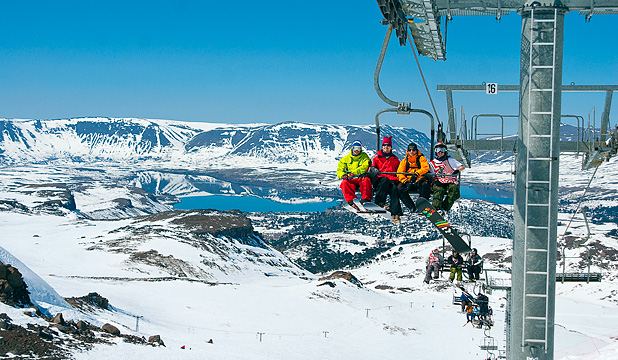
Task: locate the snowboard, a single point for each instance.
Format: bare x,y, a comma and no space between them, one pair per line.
424,207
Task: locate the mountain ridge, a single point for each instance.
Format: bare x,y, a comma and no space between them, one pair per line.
133,140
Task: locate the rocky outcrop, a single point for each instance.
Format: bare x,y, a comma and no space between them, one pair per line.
13,289
87,302
156,339
56,195
232,223
343,275
111,329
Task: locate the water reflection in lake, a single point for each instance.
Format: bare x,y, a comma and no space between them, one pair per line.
257,204
250,204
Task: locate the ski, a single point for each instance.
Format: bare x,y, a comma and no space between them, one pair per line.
369,206
358,208
424,206
366,213
355,211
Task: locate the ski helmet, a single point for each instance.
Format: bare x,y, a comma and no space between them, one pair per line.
440,147
412,147
474,251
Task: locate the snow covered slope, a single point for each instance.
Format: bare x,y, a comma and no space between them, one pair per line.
70,211
253,303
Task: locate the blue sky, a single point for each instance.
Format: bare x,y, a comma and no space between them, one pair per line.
250,61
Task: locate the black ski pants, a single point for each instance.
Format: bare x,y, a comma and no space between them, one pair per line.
384,187
422,187
474,272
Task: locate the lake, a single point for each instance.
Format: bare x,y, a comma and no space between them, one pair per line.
256,204
249,204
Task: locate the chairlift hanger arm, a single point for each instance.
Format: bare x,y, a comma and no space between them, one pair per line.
401,107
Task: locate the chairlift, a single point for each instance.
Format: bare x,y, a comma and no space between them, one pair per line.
402,108
488,343
467,237
577,276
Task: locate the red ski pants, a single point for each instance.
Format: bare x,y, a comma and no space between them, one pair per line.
349,188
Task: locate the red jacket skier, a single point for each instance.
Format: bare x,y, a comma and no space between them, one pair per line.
386,184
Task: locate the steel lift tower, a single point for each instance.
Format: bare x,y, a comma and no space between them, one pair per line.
532,305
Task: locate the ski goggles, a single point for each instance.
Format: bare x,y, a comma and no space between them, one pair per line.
357,148
440,149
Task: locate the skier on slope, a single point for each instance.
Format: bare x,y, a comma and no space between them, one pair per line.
434,263
352,170
445,179
475,265
417,166
386,184
456,262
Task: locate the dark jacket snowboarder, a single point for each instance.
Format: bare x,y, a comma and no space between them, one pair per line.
483,302
475,265
456,262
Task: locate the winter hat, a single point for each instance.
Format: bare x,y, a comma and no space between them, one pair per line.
412,147
356,145
388,140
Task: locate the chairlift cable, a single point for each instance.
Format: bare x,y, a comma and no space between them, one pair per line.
580,202
418,64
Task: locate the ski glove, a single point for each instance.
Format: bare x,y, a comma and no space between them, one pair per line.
456,172
372,171
413,178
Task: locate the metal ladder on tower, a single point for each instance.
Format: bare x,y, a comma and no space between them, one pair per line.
534,298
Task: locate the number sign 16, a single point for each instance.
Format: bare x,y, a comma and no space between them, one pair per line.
491,88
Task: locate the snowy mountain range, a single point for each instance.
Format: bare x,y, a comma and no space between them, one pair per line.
176,143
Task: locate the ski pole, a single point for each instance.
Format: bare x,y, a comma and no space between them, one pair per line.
328,182
350,175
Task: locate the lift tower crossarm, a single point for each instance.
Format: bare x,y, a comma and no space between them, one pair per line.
424,17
